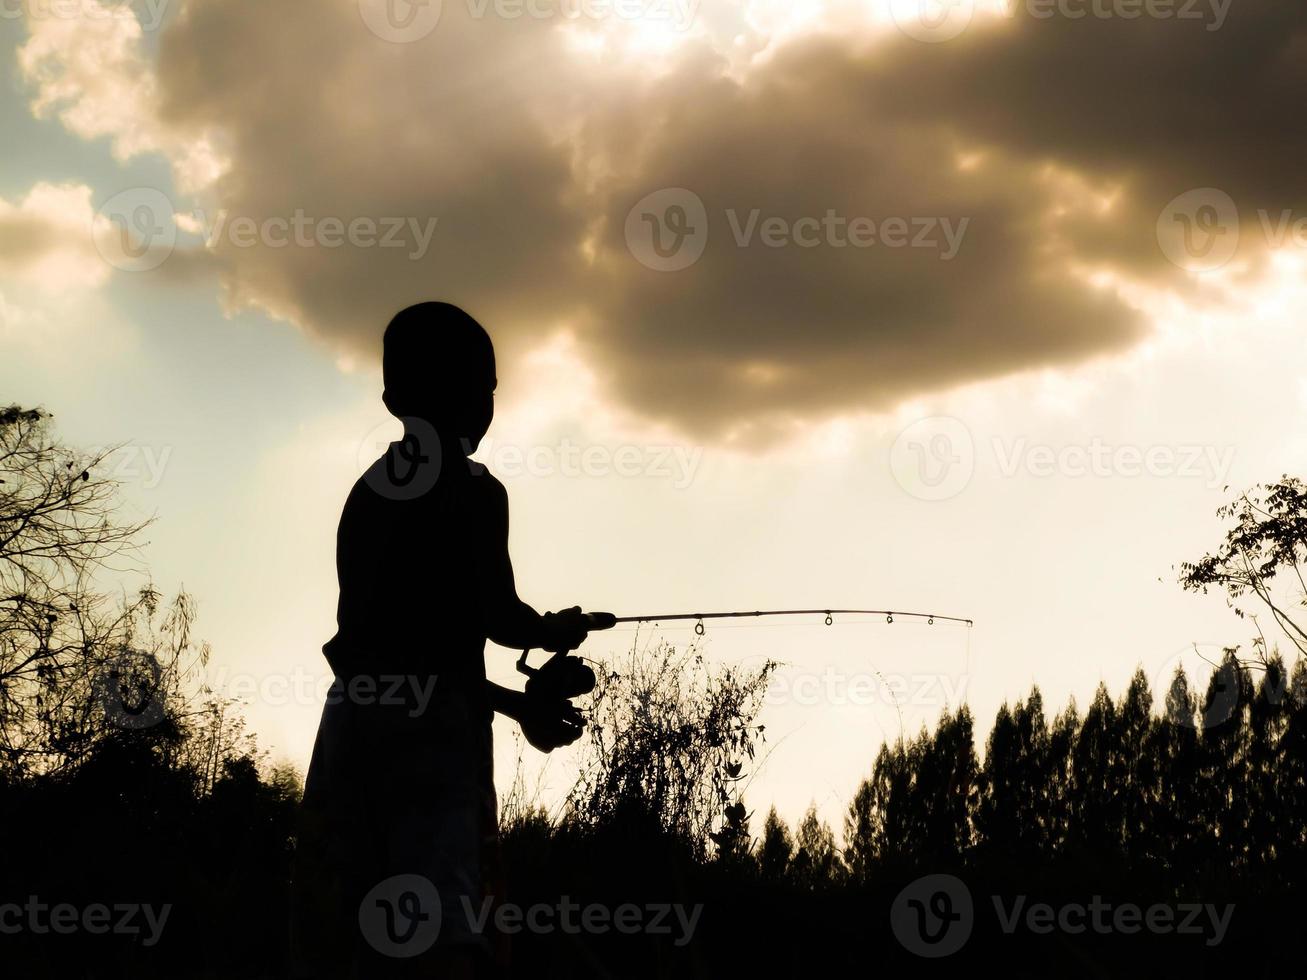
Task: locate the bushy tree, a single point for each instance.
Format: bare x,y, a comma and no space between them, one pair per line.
119,774
669,738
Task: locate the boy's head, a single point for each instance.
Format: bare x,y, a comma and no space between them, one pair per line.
438,365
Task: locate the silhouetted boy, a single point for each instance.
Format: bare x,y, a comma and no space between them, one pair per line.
400,802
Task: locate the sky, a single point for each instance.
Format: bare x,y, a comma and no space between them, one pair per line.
979,309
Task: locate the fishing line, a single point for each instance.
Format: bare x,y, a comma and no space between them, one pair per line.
605,620
602,620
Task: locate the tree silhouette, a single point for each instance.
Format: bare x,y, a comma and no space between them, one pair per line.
775,849
119,775
816,862
1267,538
1013,805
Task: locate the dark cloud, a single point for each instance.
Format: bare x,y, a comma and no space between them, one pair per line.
1050,147
1156,105
324,118
766,335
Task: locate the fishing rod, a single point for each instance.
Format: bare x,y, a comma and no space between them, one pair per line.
562,668
600,619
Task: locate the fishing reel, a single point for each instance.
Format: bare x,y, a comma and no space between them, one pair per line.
563,676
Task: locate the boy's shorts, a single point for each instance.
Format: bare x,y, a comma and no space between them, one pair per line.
398,849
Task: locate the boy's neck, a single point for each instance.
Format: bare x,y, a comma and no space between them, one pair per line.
453,449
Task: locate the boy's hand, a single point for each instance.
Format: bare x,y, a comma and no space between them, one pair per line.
565,630
550,723
564,677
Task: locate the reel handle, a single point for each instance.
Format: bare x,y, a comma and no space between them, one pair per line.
594,621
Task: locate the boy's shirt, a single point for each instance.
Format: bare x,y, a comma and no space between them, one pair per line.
411,621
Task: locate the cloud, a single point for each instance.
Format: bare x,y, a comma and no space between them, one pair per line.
967,268
1155,105
91,73
88,68
45,239
337,125
1028,159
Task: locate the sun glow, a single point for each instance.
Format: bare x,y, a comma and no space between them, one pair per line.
634,31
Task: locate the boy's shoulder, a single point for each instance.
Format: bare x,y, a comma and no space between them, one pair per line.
485,481
478,489
484,488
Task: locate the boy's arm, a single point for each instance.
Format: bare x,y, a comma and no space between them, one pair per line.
509,621
506,701
547,723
